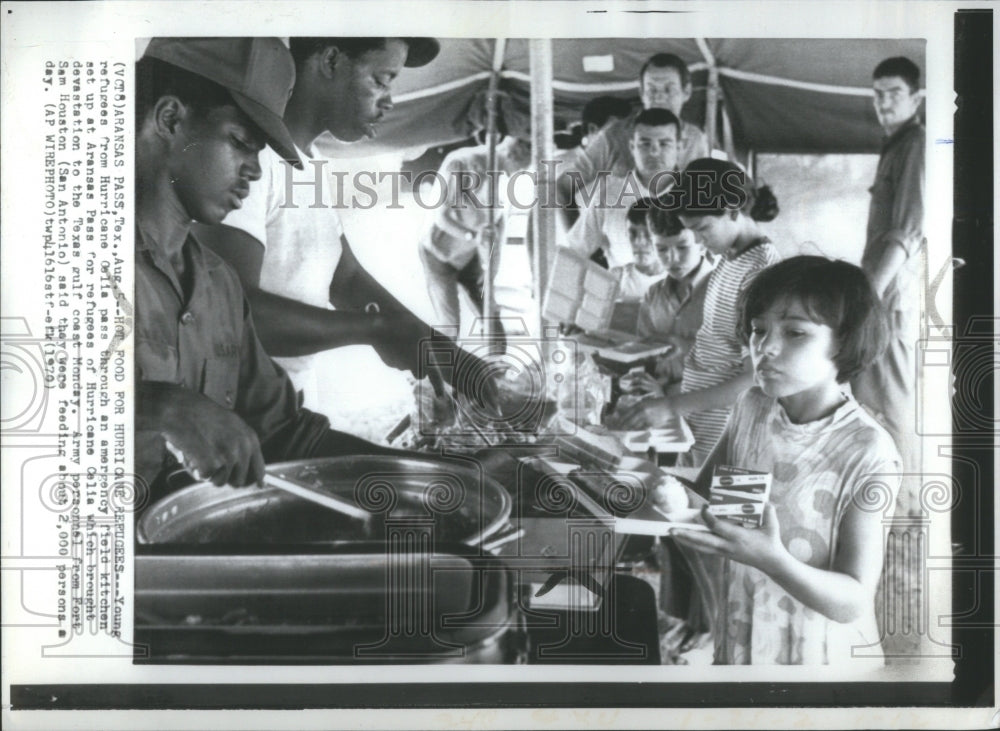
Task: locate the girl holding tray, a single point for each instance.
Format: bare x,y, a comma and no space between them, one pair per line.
801,588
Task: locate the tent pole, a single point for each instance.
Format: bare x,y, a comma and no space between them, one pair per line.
542,150
488,324
727,135
711,106
711,93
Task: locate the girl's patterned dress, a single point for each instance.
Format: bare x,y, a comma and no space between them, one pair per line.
817,469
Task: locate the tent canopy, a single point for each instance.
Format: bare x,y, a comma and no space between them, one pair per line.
781,95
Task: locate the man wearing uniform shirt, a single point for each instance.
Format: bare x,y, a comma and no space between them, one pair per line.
664,83
454,249
208,395
290,253
603,223
894,237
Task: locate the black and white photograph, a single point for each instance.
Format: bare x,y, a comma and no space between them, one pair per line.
554,359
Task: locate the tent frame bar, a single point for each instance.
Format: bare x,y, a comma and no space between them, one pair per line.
488,324
542,150
711,93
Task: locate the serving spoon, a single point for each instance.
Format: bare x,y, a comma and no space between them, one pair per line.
331,502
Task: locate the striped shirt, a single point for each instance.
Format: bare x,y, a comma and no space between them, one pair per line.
717,354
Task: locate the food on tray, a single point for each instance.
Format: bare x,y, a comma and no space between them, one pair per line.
671,497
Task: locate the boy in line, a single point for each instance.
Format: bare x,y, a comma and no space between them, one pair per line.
603,224
645,269
672,309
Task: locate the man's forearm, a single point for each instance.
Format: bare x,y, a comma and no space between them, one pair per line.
289,328
454,227
354,288
150,398
887,267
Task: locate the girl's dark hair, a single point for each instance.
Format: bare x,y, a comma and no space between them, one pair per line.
765,204
710,187
664,222
834,293
155,79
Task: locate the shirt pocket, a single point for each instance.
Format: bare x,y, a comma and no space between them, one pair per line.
220,380
155,360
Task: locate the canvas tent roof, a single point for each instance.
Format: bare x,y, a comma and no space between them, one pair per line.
782,95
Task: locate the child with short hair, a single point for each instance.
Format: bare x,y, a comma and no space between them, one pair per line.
671,311
801,588
713,198
645,269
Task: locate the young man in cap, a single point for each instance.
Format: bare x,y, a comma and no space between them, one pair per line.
893,240
664,83
291,254
208,395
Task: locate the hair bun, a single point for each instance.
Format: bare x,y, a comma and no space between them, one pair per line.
765,205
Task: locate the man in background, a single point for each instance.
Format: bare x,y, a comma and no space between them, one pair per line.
664,83
890,258
600,113
291,255
456,247
603,224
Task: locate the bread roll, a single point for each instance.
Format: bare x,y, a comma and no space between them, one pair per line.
670,495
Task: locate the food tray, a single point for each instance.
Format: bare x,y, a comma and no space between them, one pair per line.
579,292
675,437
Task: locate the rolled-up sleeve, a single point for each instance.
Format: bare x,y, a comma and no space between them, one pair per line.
587,234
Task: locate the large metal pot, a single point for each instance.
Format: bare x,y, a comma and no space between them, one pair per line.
450,498
349,604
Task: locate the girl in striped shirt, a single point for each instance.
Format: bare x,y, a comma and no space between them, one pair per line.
713,199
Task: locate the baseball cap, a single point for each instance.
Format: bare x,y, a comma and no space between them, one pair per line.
421,51
257,72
